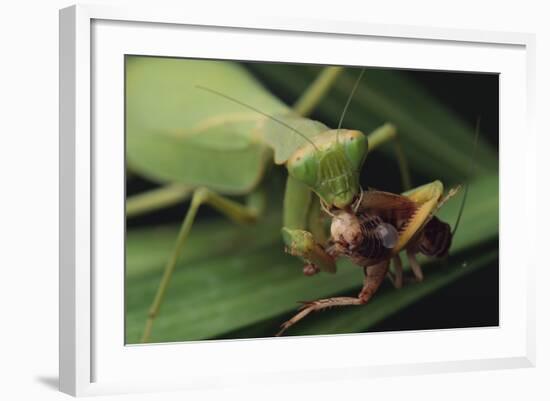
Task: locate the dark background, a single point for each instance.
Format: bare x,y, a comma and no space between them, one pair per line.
473,300
469,302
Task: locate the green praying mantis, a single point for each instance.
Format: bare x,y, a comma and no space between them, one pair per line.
210,145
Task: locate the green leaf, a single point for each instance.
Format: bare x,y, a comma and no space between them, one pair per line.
231,277
176,131
236,282
234,166
434,138
179,132
389,301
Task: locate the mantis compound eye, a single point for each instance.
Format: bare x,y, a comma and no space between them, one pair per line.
387,234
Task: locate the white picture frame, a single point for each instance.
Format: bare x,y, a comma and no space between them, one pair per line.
93,358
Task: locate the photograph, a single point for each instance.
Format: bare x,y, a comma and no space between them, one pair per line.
276,199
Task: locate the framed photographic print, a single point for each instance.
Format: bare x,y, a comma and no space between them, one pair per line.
239,195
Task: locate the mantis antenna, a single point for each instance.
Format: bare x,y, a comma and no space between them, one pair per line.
470,173
258,111
348,102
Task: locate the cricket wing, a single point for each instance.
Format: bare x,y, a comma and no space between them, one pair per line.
408,212
381,201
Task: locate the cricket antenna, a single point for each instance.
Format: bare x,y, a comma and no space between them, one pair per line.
258,111
467,185
348,102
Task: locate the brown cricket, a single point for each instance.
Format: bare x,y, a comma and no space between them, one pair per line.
374,231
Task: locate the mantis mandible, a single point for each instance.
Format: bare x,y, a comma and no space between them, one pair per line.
212,145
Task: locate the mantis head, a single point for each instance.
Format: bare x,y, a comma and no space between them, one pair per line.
331,162
330,165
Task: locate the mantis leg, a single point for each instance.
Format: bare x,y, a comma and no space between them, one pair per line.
316,91
384,134
155,199
302,231
239,213
374,275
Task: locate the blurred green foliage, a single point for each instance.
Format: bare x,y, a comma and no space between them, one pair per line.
237,282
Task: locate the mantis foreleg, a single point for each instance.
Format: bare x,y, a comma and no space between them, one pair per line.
239,213
303,234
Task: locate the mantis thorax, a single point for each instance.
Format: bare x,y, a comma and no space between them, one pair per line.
330,166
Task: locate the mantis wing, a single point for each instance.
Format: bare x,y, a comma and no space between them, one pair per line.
283,140
178,132
226,158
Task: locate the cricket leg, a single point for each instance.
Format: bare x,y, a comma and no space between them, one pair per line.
397,277
374,275
384,134
415,266
237,212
